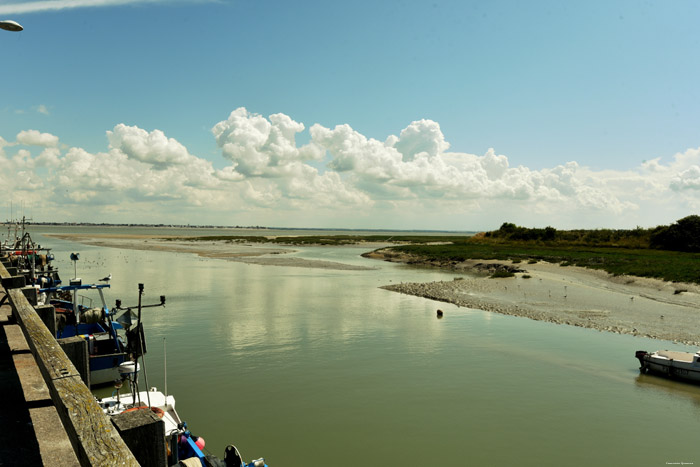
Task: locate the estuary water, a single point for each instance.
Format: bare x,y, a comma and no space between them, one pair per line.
317,367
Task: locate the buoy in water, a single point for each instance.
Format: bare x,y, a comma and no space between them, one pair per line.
439,313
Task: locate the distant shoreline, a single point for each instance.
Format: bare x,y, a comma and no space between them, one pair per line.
238,227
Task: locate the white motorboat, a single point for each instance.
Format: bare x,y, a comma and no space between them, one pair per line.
162,405
681,365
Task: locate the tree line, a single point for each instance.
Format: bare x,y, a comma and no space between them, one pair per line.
683,235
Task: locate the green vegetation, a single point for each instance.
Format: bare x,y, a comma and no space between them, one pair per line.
667,265
637,238
684,235
670,253
502,273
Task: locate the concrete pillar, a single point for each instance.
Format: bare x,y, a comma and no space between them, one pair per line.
47,313
143,433
31,293
14,282
76,349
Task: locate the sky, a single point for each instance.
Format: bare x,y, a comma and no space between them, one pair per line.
382,114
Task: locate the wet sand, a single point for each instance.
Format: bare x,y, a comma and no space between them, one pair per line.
564,295
243,252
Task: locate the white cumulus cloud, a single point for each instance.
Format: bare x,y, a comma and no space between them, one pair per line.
688,179
153,148
36,138
263,147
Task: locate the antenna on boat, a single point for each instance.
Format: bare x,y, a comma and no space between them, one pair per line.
141,346
165,369
136,341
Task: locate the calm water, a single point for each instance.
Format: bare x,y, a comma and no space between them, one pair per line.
323,368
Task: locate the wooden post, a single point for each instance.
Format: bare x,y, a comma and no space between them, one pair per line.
144,434
47,313
76,349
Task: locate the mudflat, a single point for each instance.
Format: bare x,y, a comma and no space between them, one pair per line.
244,252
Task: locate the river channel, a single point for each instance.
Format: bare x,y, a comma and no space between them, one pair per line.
320,367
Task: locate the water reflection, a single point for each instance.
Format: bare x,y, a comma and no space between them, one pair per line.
669,388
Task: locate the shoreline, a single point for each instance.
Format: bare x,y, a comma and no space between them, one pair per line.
541,291
568,295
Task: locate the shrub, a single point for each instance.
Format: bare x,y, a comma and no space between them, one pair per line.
502,273
684,235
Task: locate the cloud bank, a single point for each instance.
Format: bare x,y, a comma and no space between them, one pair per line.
339,178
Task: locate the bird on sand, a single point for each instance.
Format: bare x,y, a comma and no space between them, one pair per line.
107,278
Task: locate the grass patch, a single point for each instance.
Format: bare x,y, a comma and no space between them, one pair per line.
502,273
672,266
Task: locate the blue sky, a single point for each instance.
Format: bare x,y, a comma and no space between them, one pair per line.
367,114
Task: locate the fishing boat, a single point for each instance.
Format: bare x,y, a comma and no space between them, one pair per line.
30,259
114,336
680,365
107,348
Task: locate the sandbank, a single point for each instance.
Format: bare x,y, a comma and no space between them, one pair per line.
243,252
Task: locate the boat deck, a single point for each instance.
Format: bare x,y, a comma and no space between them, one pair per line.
676,356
